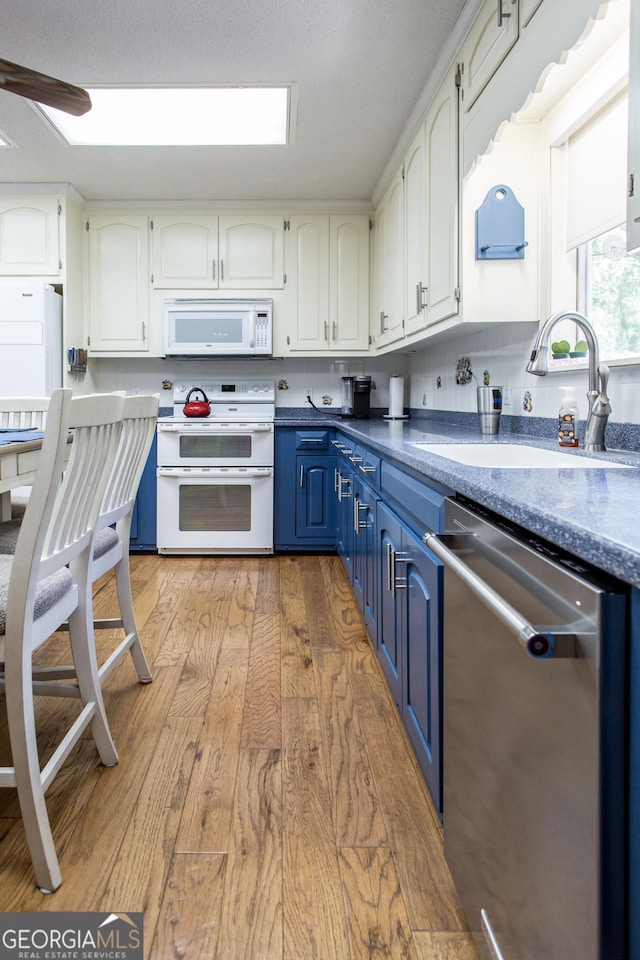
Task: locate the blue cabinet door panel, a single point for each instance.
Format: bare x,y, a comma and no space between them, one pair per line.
315,504
422,677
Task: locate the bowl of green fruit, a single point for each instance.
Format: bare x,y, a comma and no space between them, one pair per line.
580,349
560,349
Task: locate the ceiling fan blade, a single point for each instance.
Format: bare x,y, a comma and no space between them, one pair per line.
43,89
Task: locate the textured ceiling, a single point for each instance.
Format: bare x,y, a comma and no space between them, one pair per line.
359,65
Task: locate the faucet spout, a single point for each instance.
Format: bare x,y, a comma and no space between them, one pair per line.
598,374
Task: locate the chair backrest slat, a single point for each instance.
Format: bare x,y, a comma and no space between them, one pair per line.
20,413
140,415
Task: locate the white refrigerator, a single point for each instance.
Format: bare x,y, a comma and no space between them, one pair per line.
30,339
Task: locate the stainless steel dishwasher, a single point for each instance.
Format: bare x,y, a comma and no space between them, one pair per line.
534,751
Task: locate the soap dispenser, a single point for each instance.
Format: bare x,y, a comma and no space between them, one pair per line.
568,419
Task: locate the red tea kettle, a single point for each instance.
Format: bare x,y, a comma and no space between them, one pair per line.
197,408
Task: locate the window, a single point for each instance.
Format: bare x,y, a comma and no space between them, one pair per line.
610,292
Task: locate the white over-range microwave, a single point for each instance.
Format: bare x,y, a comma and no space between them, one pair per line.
218,328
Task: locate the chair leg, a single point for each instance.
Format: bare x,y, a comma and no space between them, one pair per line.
26,763
123,586
86,666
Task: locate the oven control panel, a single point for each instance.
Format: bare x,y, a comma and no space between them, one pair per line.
229,391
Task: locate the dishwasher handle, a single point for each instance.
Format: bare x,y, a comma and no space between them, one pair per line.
547,643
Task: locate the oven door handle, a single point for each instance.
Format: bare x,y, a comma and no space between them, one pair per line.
215,473
215,429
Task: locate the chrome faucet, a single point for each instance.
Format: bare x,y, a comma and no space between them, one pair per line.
599,406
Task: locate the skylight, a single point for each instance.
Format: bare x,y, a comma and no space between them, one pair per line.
164,116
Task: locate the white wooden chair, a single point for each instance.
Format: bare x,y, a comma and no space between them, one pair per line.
111,547
20,413
45,584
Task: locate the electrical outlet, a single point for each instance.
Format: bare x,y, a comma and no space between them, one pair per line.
506,396
424,399
309,393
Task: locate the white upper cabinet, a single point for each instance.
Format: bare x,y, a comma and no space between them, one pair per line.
388,318
349,282
308,283
118,252
493,33
442,216
633,187
218,252
327,299
29,236
416,267
251,251
184,252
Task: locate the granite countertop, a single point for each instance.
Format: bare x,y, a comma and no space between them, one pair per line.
589,512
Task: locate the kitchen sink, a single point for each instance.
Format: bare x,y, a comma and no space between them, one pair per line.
516,456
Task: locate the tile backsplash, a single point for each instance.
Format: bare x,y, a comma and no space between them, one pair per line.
293,376
499,353
502,352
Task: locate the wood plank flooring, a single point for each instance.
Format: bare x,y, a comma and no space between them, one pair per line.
267,804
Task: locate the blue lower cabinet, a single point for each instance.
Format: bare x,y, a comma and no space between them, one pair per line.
410,638
315,505
304,500
365,569
143,521
344,500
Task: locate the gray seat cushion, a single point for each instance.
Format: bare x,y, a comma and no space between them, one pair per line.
49,590
9,531
104,541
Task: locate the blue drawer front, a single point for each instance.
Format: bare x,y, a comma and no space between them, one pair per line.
414,498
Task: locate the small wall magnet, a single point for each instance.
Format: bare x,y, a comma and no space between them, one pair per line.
464,372
500,226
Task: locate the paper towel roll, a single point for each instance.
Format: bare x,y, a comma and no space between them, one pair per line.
396,397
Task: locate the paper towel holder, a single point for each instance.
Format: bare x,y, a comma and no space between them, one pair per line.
400,416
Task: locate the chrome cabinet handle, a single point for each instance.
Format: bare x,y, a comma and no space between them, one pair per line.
549,642
383,316
355,459
301,474
337,444
222,269
365,469
341,494
346,451
311,440
213,269
501,14
356,503
336,475
420,292
333,331
326,331
396,583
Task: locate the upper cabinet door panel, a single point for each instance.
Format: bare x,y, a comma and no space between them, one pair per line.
29,239
494,32
308,282
251,253
442,202
633,200
415,233
118,283
349,282
185,252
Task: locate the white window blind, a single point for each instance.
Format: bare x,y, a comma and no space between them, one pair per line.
597,174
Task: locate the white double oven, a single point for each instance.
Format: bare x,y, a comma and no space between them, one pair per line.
215,473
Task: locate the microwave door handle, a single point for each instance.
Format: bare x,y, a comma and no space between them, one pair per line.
252,329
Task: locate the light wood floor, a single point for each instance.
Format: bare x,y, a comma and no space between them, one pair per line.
267,804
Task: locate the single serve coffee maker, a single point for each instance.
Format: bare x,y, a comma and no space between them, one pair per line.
489,409
356,392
